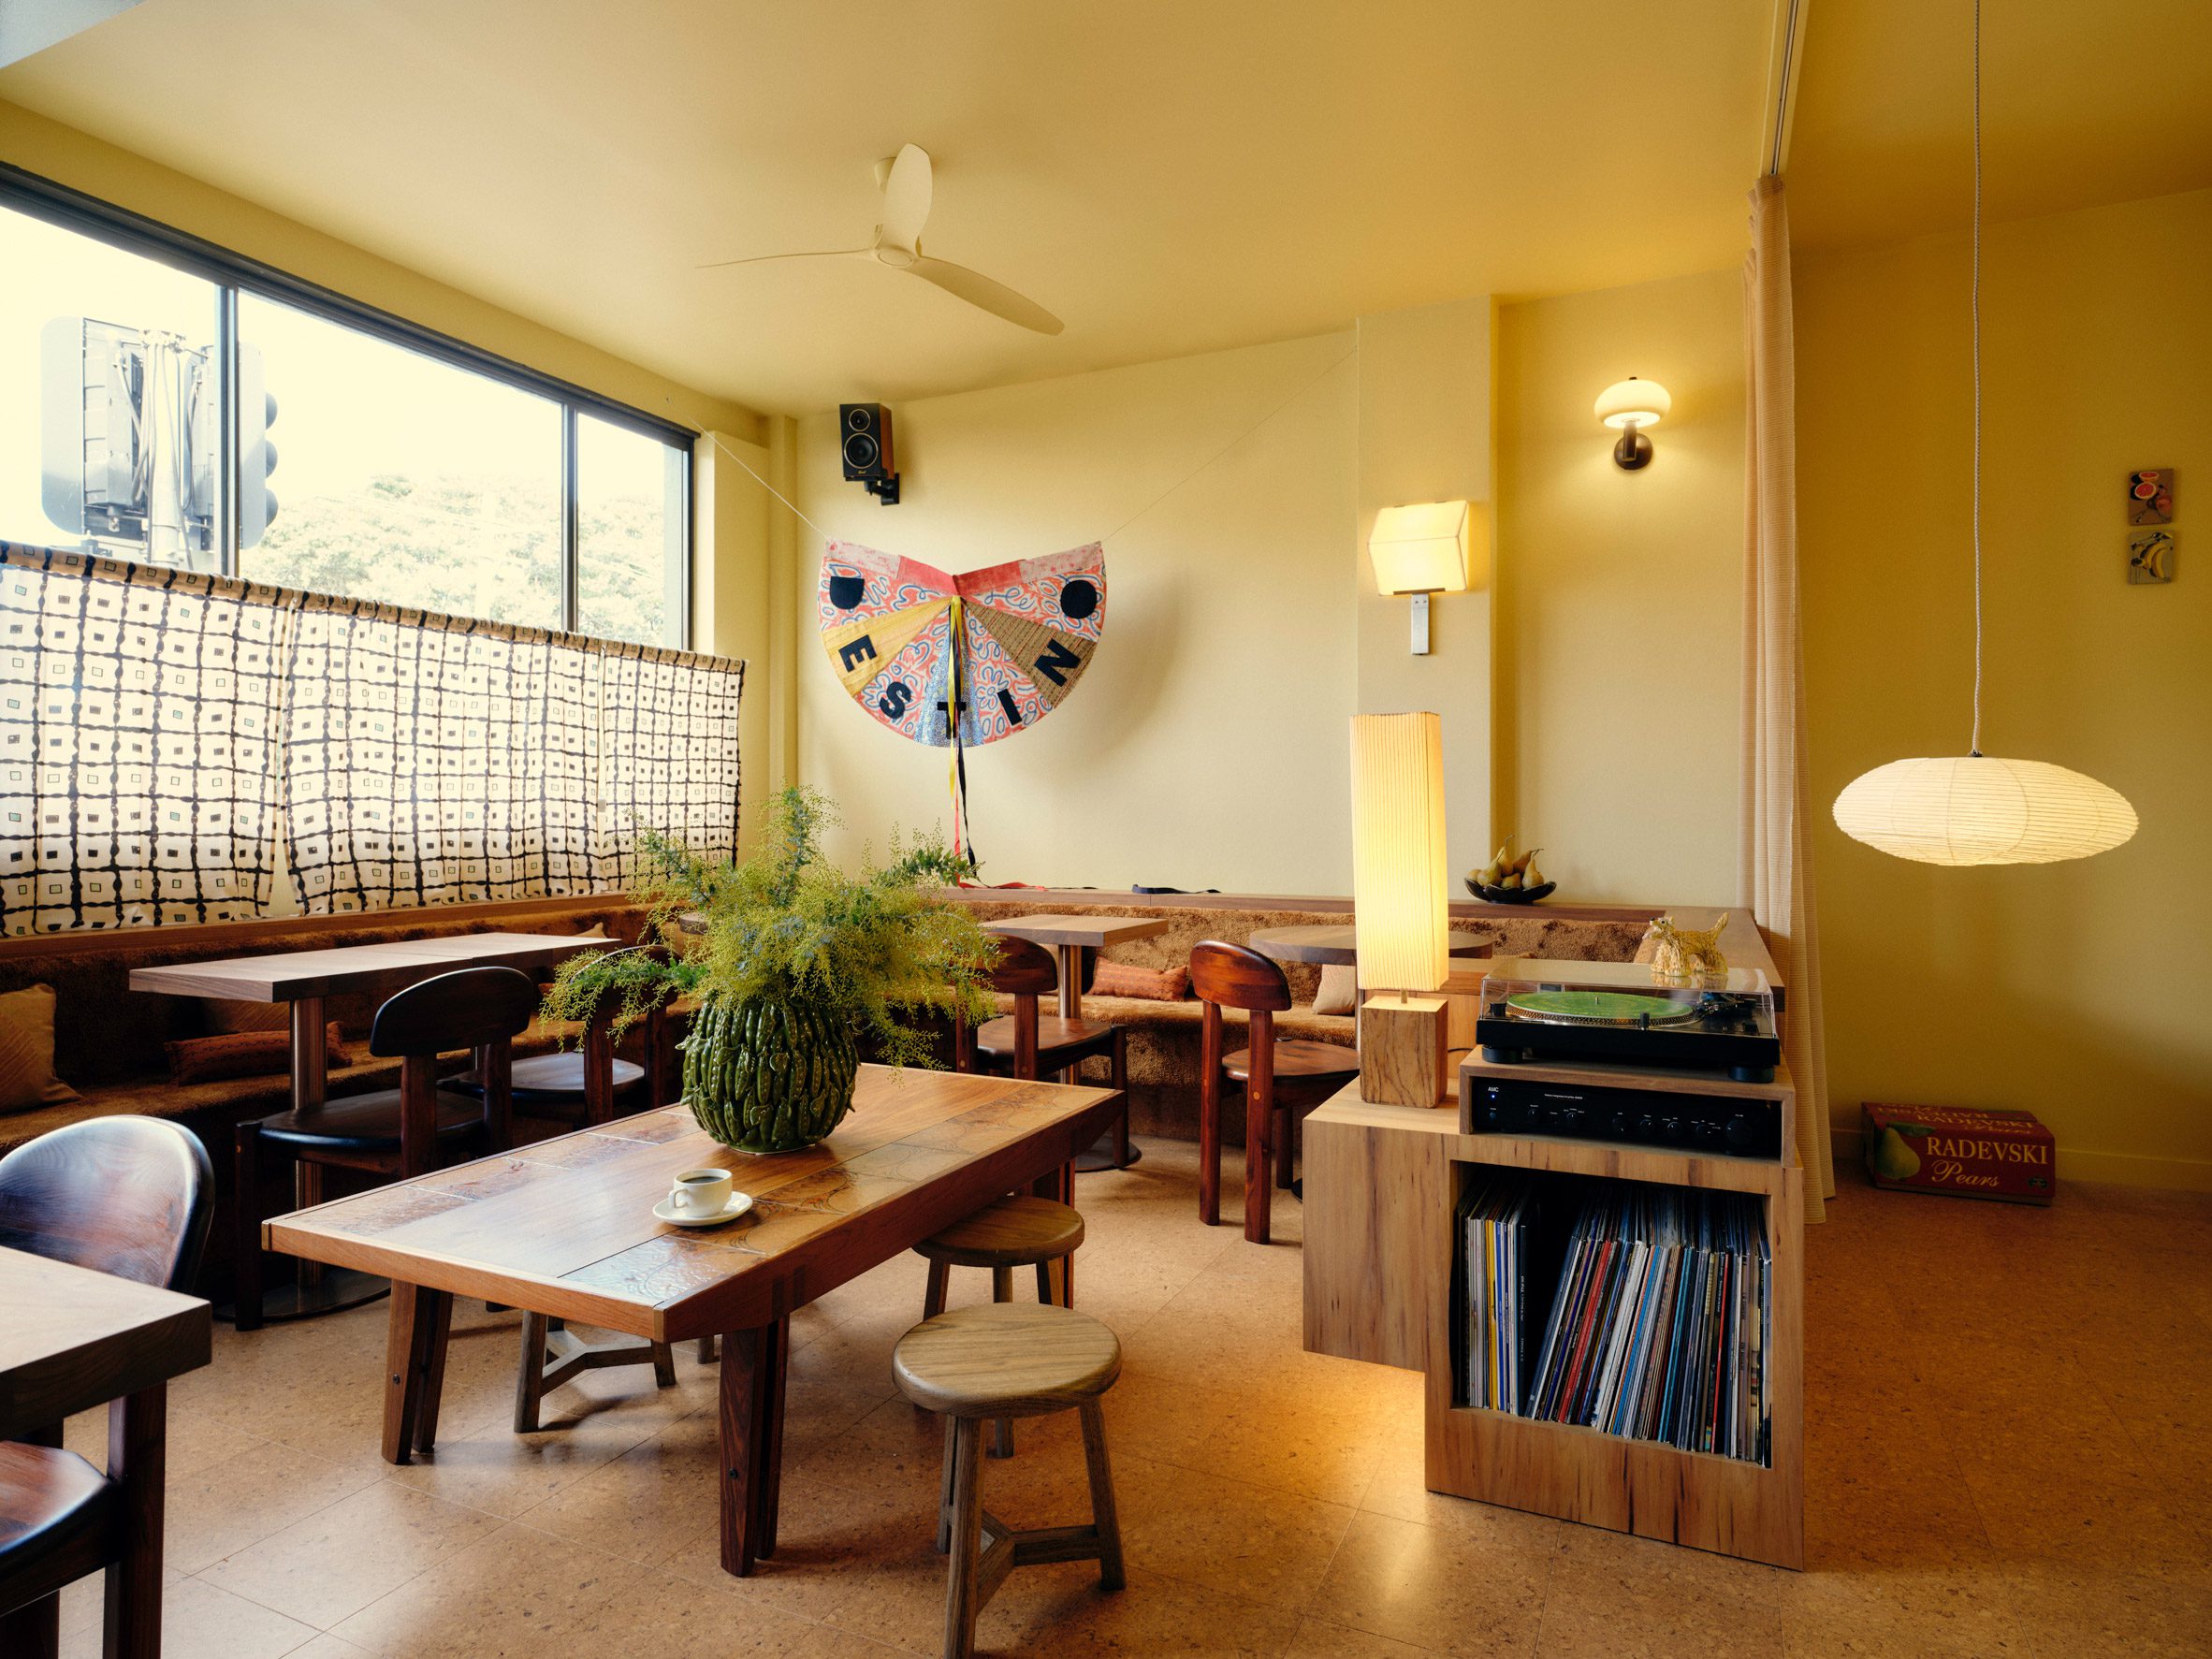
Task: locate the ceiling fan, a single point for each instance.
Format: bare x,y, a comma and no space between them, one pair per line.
904,180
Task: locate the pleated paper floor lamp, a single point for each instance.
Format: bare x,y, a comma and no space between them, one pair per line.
1977,808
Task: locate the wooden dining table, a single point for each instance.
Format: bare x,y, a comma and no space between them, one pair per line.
1071,940
71,1339
304,979
565,1227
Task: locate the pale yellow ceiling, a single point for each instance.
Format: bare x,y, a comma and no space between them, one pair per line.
1166,177
2083,102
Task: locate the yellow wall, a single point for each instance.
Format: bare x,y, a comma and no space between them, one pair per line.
1206,746
1424,412
2074,990
1619,635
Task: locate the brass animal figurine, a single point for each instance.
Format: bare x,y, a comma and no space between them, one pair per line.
1682,956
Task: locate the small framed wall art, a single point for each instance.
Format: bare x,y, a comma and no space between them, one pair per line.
2150,496
2150,554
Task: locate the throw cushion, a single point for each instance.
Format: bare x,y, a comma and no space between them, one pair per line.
241,1054
26,1051
1150,985
1339,991
225,1016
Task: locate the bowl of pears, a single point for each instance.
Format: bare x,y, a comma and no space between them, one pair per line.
1510,880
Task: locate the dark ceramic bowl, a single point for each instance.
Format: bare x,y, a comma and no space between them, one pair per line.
1509,896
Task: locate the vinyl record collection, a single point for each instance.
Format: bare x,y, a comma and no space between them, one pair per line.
1660,1310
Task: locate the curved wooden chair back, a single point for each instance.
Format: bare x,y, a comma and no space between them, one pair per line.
481,1009
1237,976
1025,969
127,1196
466,1009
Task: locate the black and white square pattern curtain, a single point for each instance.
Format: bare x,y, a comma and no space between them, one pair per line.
138,762
157,727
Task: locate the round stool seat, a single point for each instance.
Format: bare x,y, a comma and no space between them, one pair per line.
1006,1359
1296,1057
1013,1232
550,1079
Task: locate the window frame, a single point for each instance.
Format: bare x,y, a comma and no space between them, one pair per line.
232,273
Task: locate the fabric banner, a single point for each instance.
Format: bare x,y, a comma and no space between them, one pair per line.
157,727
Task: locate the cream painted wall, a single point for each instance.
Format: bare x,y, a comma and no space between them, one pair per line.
731,609
1619,645
1206,746
2073,990
85,163
1424,408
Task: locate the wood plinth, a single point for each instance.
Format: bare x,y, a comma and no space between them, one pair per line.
1401,1050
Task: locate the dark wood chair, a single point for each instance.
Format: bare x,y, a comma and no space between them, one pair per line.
590,1083
1031,1044
394,1132
1278,1076
128,1195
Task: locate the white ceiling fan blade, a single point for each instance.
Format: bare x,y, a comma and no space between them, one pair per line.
907,192
981,291
764,258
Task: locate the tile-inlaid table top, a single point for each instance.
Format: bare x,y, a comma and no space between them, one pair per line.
565,1226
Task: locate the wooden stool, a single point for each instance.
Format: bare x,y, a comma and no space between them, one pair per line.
1000,1360
1018,1231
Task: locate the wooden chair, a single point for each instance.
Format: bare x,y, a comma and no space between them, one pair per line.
1022,1231
394,1132
590,1083
128,1195
1278,1076
1028,1044
994,1361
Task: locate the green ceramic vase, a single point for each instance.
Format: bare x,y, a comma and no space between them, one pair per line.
767,1074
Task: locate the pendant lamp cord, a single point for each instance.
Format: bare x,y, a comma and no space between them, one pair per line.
1975,747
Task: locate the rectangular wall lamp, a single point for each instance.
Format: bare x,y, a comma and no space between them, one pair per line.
1420,550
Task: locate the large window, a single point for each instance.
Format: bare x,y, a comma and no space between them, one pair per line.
166,402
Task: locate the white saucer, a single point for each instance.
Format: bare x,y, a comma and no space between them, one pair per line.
739,1203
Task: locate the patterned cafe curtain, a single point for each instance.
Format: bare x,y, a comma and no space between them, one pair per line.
158,728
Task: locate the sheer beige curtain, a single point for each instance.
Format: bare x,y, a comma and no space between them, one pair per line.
1775,877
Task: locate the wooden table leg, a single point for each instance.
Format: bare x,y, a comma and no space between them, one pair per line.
413,1362
136,1446
752,1443
310,1088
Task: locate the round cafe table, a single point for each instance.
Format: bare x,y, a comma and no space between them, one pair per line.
1334,946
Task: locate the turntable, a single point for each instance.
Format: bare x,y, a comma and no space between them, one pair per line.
1539,1011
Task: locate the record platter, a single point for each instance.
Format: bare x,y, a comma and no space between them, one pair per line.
1534,1010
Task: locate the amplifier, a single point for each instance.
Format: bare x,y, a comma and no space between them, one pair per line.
1637,1118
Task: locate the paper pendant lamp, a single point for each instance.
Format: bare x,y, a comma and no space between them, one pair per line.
1980,809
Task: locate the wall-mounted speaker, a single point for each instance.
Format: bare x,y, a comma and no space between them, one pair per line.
865,436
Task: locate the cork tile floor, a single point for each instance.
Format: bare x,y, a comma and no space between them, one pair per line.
2007,1453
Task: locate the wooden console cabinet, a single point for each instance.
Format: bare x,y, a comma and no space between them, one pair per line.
1381,1183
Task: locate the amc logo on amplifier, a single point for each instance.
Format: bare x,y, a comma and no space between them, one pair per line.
864,441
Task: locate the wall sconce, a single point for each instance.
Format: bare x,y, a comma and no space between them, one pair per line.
1420,550
1630,406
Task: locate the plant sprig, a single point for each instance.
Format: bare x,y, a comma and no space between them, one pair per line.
880,948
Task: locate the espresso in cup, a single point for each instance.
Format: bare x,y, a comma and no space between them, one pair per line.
701,1192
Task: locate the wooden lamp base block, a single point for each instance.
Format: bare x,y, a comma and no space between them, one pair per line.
1402,1044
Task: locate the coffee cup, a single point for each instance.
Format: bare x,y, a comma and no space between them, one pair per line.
701,1192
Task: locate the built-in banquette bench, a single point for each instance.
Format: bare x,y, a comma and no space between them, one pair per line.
109,1040
1163,1037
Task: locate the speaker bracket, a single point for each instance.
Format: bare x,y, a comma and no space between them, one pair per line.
884,490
